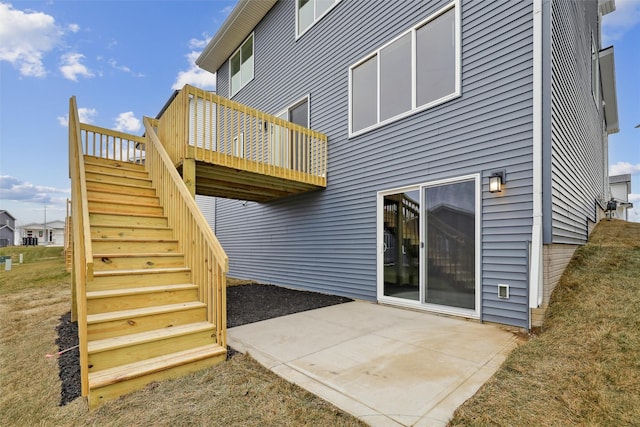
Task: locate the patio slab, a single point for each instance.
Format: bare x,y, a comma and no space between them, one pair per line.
387,366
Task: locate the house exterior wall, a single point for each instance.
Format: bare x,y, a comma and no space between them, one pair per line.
55,233
7,229
6,237
207,206
574,143
326,240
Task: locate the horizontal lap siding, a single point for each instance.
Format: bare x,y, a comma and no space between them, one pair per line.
577,157
326,240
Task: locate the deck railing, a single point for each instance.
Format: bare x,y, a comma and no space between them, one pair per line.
82,253
111,144
202,251
209,128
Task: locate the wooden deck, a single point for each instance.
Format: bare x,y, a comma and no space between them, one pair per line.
226,149
215,179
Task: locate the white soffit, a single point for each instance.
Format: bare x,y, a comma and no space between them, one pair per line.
235,29
606,6
608,81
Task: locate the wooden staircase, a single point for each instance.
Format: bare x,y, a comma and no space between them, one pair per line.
144,319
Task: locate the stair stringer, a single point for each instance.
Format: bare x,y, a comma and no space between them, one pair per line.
146,319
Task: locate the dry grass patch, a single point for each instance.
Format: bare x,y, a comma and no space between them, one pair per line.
584,366
239,392
232,281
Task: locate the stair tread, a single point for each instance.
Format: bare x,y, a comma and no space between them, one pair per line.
121,193
148,336
137,255
139,290
132,227
104,273
120,202
155,364
143,239
148,215
145,311
133,215
103,161
97,172
95,181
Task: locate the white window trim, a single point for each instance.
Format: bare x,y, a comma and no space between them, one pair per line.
299,101
385,299
253,49
458,61
315,20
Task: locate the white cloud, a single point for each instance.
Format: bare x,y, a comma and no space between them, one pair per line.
14,189
127,122
114,64
198,43
25,37
622,168
74,28
618,22
71,67
85,115
194,75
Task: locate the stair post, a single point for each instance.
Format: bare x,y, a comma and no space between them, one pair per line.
189,175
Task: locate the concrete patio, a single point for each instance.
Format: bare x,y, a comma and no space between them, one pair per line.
387,366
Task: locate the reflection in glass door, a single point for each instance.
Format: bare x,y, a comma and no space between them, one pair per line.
401,223
429,245
449,222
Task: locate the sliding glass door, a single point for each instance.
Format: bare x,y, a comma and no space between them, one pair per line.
450,252
429,247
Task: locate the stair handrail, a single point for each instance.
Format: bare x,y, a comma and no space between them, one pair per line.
203,252
82,252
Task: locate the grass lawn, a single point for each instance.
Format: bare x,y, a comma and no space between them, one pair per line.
240,392
583,368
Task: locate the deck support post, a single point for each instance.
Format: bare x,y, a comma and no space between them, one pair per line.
189,175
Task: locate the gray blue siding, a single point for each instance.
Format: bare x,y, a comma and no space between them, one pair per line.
326,240
574,144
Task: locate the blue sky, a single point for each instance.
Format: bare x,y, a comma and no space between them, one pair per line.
123,59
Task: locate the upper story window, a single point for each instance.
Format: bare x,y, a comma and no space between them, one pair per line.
309,12
417,70
241,66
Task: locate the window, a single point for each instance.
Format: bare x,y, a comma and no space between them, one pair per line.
241,66
282,144
238,145
309,12
417,70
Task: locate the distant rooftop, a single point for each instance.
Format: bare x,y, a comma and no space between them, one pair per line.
620,178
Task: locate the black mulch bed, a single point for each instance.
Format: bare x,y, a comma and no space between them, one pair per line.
245,304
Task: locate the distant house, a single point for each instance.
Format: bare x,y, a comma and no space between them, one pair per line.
467,147
50,234
620,189
7,229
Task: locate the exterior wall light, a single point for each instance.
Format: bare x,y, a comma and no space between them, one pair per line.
496,180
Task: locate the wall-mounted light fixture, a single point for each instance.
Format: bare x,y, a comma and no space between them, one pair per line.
496,181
